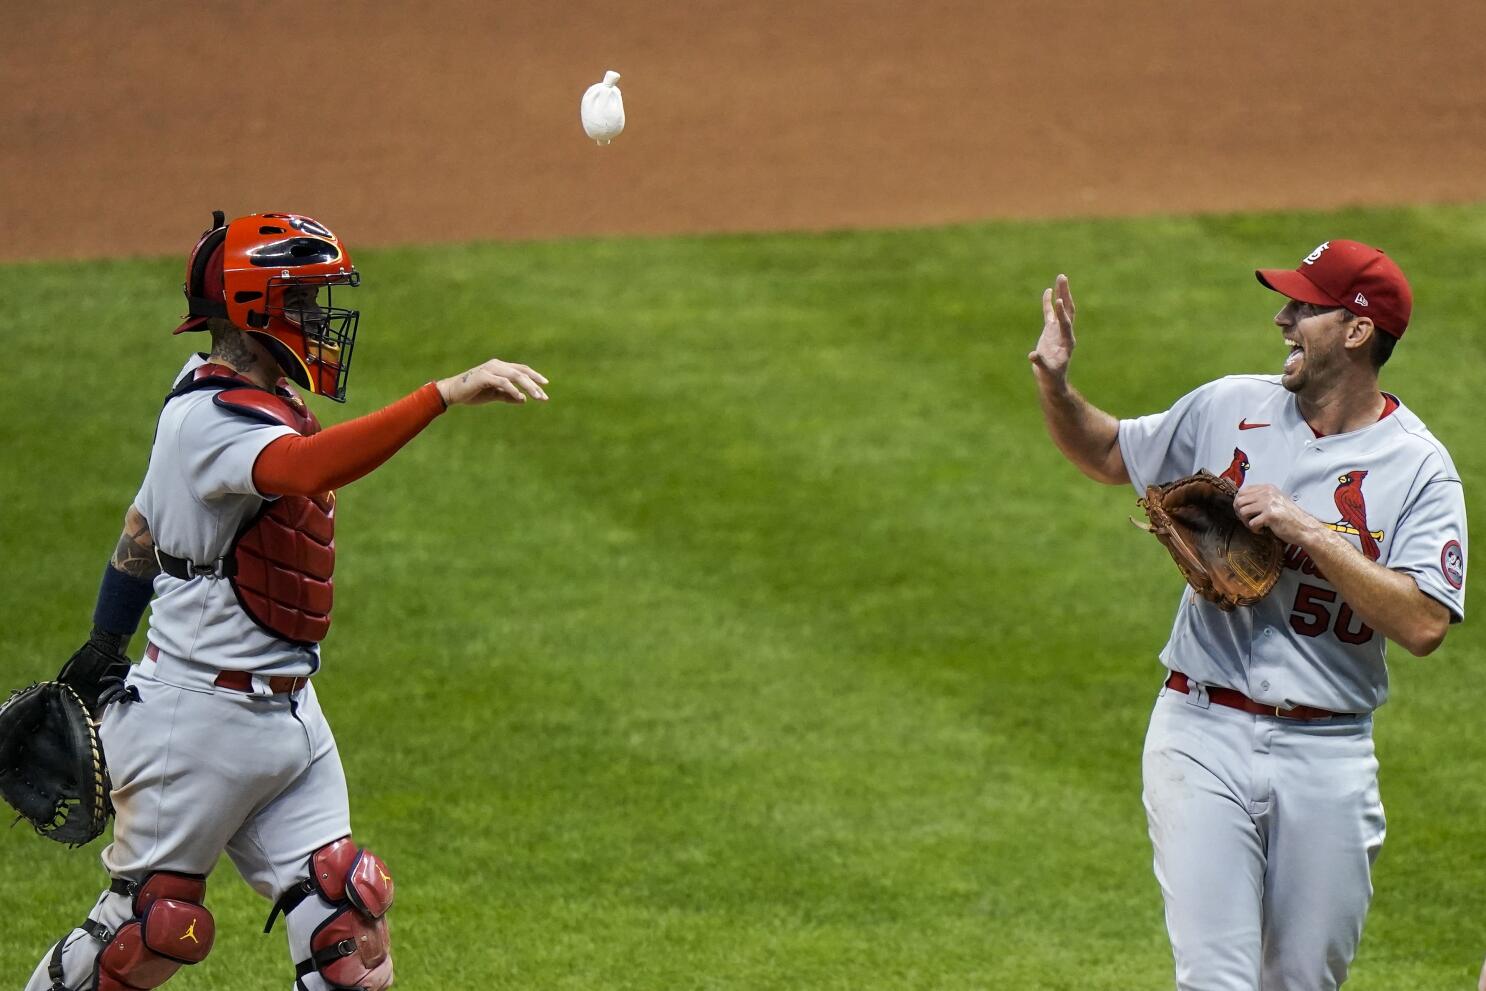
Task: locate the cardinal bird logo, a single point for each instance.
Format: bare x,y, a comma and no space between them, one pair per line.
1353,507
1237,471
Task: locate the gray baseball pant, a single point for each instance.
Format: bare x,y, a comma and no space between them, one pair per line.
199,771
1265,831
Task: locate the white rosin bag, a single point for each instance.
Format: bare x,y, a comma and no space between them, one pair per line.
603,109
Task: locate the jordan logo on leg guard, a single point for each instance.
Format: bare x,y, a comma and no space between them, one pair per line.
191,932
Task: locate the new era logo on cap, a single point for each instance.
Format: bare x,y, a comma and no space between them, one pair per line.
1350,274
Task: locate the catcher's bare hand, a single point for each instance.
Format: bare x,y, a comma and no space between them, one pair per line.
495,381
1055,346
1264,507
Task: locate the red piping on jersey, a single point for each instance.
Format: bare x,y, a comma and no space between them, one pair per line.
1390,403
325,461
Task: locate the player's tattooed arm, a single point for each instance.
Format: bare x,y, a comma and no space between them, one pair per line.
135,553
124,595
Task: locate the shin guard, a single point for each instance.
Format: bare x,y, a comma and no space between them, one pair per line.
349,947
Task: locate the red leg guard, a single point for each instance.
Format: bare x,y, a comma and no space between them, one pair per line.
351,948
352,951
170,928
343,871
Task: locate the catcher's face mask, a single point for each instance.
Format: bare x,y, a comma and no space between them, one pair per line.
303,312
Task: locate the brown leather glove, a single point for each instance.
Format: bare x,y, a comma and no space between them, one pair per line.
1224,561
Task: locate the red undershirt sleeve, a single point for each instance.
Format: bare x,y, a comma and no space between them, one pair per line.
339,455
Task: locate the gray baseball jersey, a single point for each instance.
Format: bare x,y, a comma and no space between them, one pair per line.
1390,487
1264,828
196,495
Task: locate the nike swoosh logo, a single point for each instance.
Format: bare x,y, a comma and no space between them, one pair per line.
1244,424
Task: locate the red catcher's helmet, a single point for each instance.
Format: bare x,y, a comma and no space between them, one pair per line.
271,274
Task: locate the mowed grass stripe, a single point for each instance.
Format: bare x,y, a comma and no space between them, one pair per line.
781,650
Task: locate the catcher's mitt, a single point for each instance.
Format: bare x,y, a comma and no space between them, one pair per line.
1224,561
51,763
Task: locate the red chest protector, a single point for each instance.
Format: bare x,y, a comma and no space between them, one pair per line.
281,561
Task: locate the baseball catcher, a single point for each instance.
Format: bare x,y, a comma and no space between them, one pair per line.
216,737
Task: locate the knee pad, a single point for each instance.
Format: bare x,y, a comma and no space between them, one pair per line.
349,945
170,928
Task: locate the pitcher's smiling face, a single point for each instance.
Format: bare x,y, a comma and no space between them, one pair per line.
1316,338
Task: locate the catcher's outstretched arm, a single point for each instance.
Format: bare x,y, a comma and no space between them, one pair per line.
341,454
1087,436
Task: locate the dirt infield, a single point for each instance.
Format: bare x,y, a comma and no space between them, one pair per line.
124,124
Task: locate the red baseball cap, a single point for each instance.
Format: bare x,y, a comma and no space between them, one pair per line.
1350,274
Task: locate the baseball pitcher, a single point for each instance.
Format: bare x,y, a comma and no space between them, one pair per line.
1260,781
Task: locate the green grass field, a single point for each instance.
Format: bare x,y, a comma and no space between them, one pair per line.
781,650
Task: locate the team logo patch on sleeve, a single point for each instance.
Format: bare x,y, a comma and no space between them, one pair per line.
1452,564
